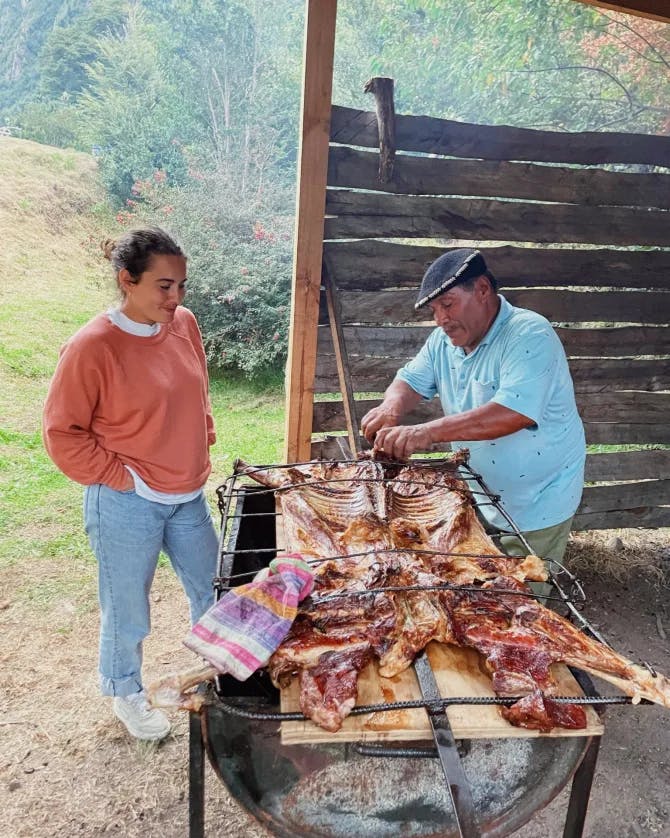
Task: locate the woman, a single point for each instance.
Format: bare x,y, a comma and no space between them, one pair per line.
128,416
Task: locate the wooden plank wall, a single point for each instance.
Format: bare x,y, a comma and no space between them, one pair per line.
576,227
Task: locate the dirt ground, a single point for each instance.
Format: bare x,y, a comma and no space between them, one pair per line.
67,766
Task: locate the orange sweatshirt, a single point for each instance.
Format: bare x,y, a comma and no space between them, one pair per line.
118,399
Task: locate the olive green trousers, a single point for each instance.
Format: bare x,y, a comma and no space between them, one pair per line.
548,543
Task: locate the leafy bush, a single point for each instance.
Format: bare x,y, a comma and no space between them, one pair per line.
51,123
239,262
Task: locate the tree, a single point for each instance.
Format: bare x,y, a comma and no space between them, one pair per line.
131,111
68,49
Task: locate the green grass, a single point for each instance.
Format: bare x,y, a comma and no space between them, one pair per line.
249,420
606,449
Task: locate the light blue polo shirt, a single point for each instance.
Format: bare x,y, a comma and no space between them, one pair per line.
520,363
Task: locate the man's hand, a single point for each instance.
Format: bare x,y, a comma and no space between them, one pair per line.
400,442
382,416
399,399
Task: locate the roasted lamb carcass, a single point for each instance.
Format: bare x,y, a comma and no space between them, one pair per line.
368,528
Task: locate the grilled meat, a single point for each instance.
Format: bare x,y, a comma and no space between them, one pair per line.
377,534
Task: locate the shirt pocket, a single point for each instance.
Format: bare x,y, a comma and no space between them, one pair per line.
483,392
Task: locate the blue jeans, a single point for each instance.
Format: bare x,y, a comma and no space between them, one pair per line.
127,534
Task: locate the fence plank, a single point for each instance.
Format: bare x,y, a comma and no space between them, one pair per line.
403,342
624,496
558,306
648,517
595,408
370,215
627,465
499,142
373,375
369,264
348,167
609,418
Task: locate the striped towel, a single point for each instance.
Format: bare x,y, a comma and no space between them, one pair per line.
241,631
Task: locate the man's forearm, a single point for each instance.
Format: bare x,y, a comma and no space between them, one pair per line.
399,398
489,421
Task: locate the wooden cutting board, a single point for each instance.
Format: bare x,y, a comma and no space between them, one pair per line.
458,672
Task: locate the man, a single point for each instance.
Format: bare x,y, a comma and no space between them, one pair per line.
507,395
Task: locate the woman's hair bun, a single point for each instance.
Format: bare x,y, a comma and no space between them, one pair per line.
107,246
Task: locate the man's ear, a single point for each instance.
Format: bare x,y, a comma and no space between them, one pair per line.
483,286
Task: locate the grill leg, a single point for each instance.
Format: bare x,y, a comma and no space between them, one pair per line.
581,791
196,779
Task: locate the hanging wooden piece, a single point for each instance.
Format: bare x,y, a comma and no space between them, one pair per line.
382,89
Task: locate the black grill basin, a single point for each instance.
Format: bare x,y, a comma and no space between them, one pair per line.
335,791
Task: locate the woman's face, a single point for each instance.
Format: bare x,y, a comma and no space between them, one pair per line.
160,289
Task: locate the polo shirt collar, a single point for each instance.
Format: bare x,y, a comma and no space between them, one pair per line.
504,314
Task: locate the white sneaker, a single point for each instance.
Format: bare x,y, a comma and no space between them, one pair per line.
141,720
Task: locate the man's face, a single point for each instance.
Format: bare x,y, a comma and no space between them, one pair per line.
465,315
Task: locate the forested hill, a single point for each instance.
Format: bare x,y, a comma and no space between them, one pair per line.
24,28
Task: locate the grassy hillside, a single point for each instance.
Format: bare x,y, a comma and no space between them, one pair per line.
52,218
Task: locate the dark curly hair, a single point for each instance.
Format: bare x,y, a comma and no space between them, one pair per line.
135,249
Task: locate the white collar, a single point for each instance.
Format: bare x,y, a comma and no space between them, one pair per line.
142,330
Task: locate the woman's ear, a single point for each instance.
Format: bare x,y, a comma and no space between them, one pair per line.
125,281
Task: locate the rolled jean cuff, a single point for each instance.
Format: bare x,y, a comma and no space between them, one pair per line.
121,687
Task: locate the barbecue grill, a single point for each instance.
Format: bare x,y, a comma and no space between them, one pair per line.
466,787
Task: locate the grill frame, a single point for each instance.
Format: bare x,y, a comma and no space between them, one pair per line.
244,548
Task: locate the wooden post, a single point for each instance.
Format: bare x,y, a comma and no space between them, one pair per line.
342,362
311,201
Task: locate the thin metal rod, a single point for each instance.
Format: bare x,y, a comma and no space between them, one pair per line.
419,704
436,464
496,502
256,515
447,586
374,552
292,487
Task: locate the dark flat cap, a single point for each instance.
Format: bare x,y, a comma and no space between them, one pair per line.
448,270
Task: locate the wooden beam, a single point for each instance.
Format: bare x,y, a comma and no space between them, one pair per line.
560,306
432,135
403,342
370,264
366,215
351,168
373,375
653,9
319,49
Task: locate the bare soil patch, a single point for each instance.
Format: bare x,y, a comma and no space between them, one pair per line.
67,766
